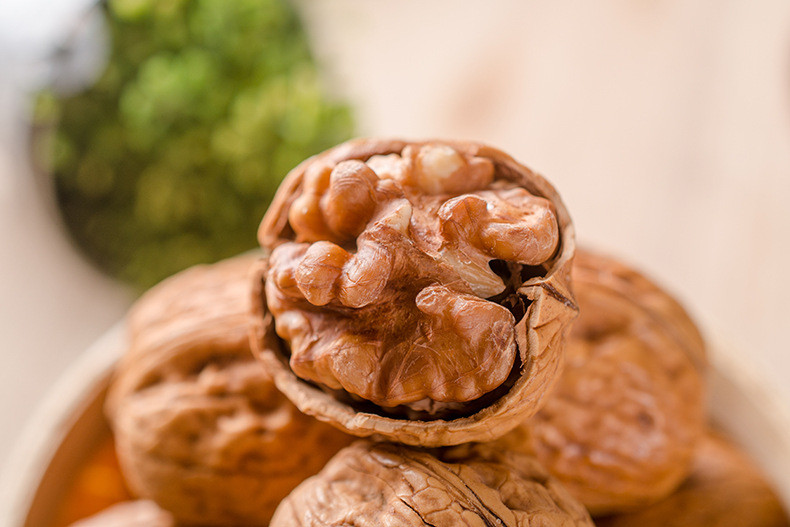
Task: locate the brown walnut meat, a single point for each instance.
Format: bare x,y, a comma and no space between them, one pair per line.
725,489
621,426
141,513
199,425
417,291
369,484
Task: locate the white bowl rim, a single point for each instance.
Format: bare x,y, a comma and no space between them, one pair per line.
50,421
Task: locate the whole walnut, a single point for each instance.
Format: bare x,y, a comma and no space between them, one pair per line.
621,426
725,489
369,484
199,426
140,513
415,291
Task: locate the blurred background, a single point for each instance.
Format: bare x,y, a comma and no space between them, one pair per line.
138,137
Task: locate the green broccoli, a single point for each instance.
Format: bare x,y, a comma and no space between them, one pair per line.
172,156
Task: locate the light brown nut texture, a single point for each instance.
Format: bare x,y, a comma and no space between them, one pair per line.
442,321
369,484
140,513
199,425
621,426
725,489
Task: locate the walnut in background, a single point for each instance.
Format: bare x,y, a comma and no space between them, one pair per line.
415,291
200,427
370,484
725,489
621,427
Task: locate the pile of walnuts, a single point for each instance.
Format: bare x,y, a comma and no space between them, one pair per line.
420,295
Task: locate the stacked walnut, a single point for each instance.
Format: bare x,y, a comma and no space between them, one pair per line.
419,295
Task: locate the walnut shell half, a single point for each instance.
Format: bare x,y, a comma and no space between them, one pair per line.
415,291
370,483
140,513
621,426
199,426
725,489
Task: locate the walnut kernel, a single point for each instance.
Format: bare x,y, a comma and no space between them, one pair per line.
406,284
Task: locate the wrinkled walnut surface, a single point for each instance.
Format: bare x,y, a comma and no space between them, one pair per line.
199,425
372,484
621,426
415,282
141,513
725,489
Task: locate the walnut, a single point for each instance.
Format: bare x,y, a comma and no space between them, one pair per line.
621,426
141,513
199,425
724,490
386,484
415,291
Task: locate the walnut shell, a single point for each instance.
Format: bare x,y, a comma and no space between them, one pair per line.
621,426
416,292
199,425
386,484
725,489
140,513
